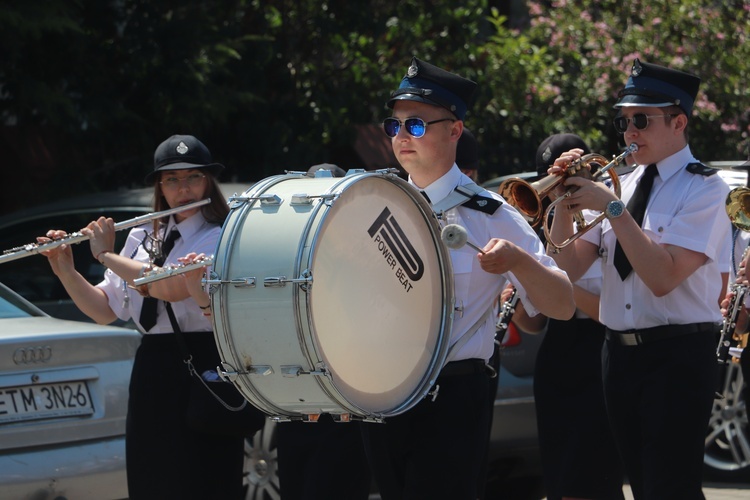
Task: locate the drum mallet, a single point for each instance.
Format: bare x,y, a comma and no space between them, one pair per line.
455,236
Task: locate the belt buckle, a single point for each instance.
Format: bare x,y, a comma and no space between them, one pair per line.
630,339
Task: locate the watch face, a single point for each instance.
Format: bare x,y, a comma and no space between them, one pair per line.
615,208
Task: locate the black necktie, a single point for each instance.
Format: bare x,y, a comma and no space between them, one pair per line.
637,208
426,197
148,311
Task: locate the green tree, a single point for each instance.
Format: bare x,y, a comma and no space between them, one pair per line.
89,88
573,58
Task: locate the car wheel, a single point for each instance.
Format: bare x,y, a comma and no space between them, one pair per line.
260,475
727,451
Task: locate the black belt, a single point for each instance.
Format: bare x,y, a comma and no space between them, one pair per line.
656,333
463,367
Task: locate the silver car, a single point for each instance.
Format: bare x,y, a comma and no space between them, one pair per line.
63,402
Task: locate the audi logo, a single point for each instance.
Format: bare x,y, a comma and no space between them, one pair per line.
29,355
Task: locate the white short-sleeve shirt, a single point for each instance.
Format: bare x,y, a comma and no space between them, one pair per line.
685,210
196,235
474,288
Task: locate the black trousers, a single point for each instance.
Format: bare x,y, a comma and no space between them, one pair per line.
324,460
166,459
659,397
579,456
434,450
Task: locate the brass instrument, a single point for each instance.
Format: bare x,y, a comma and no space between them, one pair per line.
728,325
168,271
78,236
738,207
527,197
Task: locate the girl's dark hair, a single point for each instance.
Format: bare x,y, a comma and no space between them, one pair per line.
215,212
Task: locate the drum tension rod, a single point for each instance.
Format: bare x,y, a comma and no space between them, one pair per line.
296,370
248,282
307,199
265,200
305,280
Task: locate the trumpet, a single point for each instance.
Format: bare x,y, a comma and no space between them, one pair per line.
168,271
527,197
78,236
581,223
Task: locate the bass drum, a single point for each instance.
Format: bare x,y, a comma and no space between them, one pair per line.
336,296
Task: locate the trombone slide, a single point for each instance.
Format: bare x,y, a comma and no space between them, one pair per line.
78,236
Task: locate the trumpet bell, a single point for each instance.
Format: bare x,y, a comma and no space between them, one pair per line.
528,198
524,197
738,207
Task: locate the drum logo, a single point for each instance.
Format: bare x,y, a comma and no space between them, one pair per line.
397,250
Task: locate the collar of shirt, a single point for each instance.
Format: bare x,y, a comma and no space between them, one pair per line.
443,186
188,227
670,165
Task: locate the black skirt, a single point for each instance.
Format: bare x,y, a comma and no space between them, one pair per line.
166,459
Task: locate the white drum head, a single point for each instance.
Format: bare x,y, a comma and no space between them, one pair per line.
378,303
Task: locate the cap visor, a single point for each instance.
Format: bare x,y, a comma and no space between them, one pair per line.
633,100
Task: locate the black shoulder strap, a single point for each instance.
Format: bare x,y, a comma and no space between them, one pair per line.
469,196
701,169
483,204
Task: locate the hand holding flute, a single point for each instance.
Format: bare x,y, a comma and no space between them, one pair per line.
60,238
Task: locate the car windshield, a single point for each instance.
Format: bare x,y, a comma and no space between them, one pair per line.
12,306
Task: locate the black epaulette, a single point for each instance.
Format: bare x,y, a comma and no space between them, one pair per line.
701,169
484,204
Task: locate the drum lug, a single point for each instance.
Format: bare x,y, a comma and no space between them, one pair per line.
301,199
265,199
262,370
433,394
291,371
228,373
247,282
459,309
280,281
373,420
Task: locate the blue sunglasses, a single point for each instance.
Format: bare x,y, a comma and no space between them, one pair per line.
416,127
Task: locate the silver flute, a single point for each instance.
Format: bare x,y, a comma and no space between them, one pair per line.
78,236
168,271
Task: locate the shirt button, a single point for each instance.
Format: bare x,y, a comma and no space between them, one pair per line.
627,306
661,229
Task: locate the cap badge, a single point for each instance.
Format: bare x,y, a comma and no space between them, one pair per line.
547,154
182,148
637,68
412,71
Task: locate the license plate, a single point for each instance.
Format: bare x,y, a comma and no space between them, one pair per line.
34,402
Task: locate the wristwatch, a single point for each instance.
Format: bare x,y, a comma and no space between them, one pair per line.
615,208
